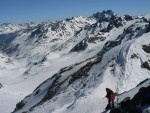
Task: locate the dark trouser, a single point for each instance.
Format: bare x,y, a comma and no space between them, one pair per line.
111,103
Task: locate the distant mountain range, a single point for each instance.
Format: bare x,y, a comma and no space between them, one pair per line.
64,66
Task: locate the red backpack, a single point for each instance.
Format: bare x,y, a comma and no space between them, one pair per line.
113,95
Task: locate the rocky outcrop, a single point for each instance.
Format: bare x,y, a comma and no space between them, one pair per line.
137,104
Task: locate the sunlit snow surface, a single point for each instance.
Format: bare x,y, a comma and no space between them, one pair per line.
24,71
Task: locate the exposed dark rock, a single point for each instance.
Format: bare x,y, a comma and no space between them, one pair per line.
44,59
52,90
110,27
146,48
80,47
135,105
54,40
145,20
113,22
24,112
1,85
35,63
83,71
39,30
147,28
36,32
146,65
128,17
65,69
94,39
134,56
101,15
55,86
142,97
117,22
19,105
78,32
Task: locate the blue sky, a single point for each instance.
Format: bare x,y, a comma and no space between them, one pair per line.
20,11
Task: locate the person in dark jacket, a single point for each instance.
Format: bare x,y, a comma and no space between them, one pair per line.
111,97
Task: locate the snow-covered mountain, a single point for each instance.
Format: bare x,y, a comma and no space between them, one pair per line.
64,66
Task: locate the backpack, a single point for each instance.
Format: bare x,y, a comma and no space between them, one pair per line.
113,95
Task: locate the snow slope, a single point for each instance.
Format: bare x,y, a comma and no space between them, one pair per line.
72,62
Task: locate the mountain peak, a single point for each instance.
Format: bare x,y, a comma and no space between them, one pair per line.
103,14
